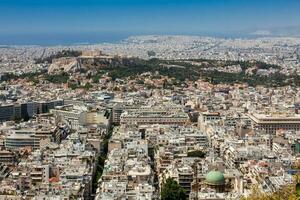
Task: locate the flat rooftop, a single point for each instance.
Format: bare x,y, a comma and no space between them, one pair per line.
275,118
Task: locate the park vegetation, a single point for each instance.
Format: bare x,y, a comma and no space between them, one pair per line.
171,190
178,72
190,72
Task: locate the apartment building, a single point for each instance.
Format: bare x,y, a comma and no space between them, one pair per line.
272,123
21,139
153,116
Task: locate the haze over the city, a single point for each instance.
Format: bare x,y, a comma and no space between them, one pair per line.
92,21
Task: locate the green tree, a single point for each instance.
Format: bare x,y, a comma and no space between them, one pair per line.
57,78
171,190
196,153
73,86
88,86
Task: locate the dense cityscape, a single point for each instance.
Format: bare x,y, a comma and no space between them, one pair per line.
147,118
149,100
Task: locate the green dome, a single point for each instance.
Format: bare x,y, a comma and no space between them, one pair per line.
215,178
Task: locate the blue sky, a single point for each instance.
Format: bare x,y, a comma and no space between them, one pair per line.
141,16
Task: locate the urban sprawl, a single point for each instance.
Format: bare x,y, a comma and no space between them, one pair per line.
217,118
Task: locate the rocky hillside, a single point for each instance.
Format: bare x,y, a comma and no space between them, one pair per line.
86,61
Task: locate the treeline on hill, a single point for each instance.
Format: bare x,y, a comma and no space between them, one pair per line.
181,70
188,71
62,77
60,54
154,65
29,76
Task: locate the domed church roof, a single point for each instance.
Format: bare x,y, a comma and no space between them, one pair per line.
215,178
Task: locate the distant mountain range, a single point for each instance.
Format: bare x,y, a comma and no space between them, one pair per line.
293,31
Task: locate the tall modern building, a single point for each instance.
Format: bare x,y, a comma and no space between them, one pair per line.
27,110
45,106
6,112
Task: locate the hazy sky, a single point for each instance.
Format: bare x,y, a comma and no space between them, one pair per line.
152,16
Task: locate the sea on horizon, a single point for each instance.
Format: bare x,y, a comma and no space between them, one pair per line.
65,39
